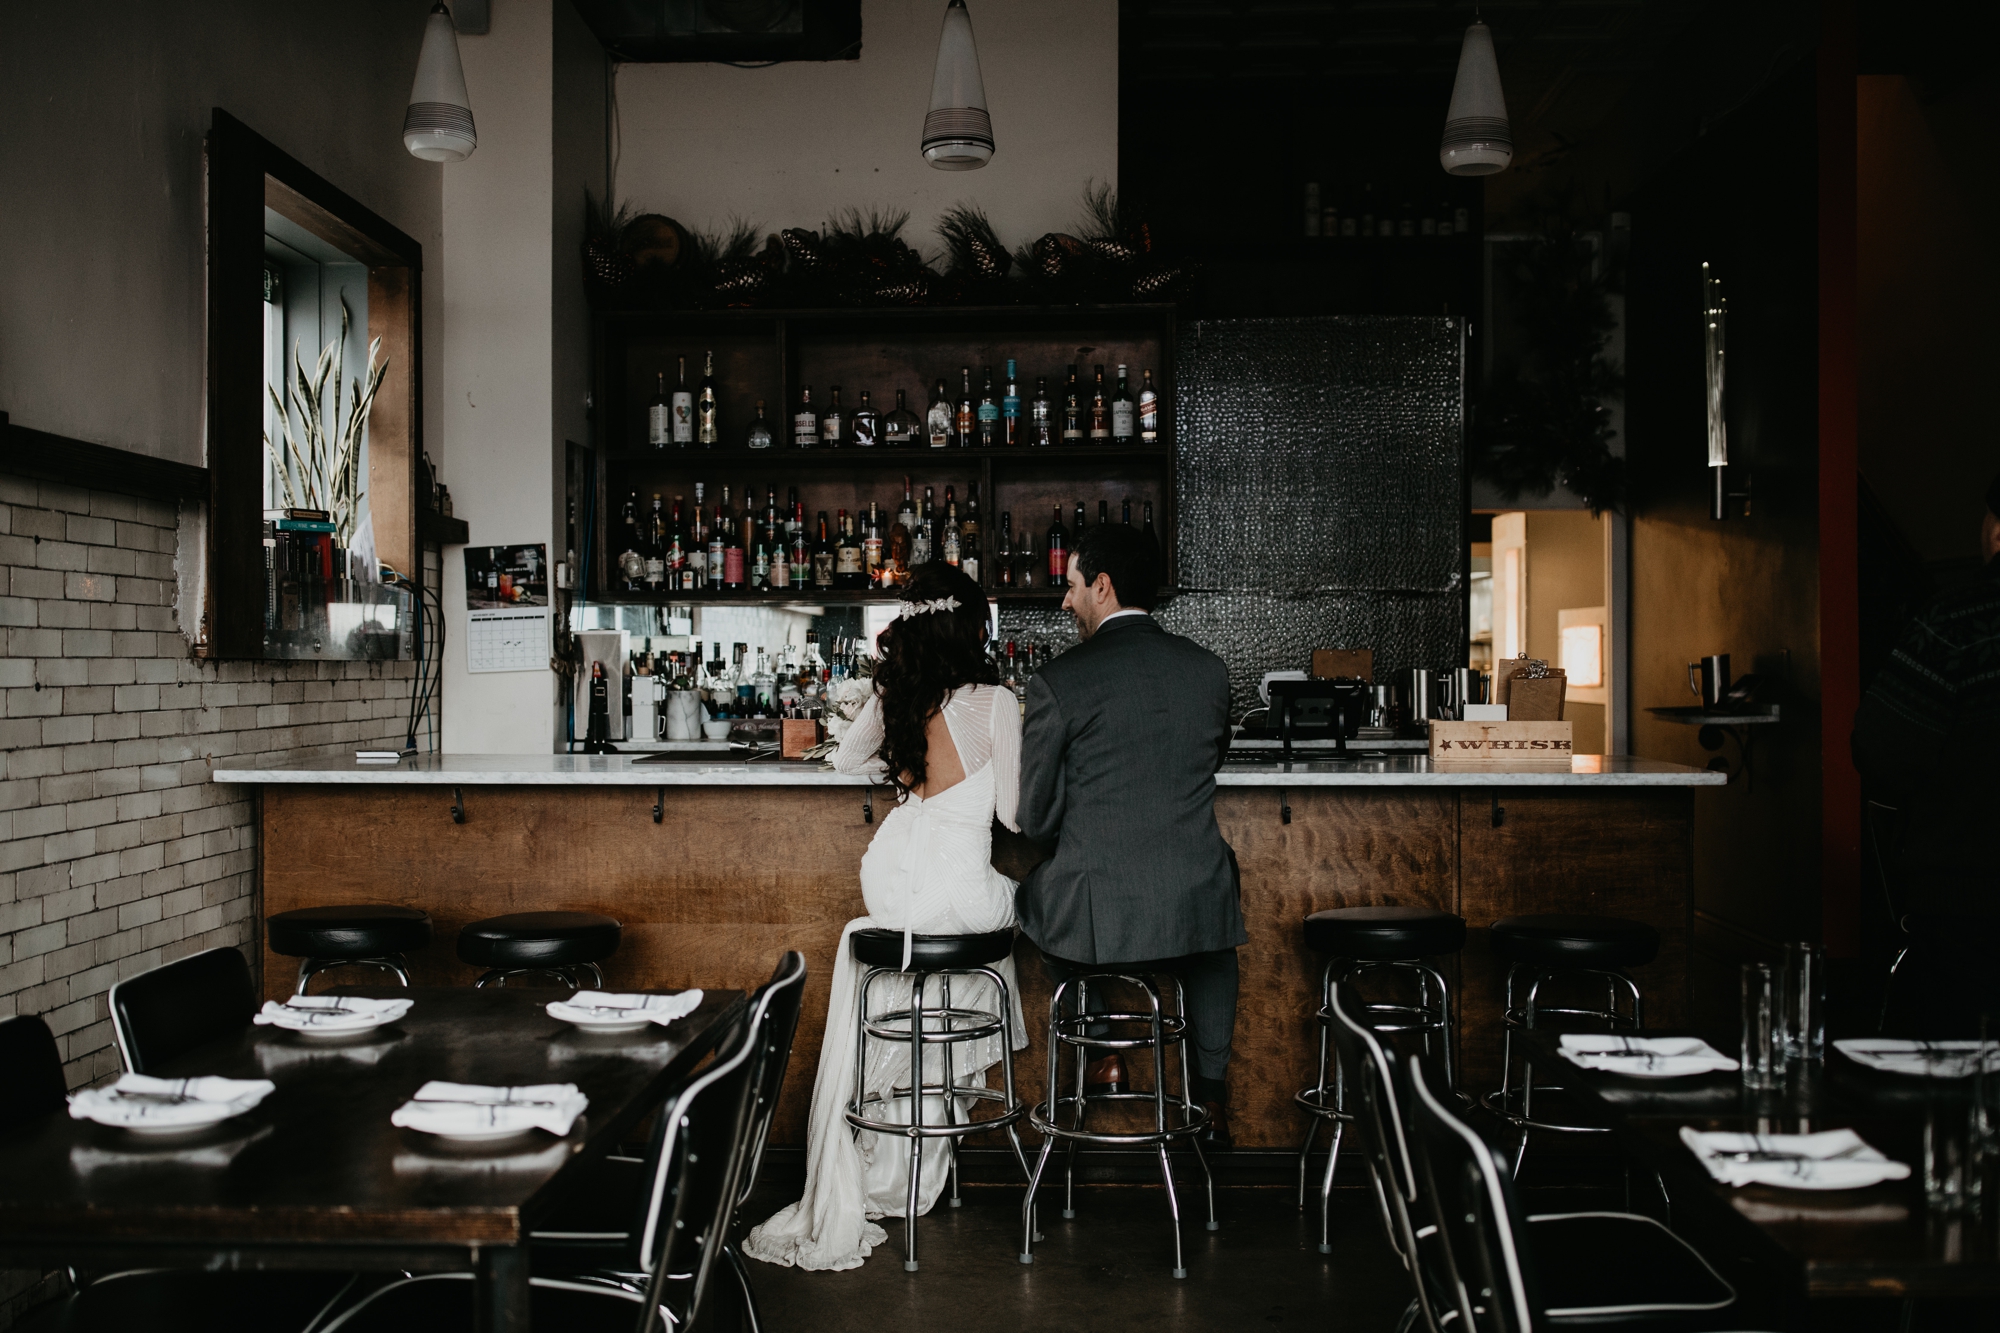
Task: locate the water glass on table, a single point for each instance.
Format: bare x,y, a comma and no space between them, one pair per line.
1805,1002
1763,1027
1951,1165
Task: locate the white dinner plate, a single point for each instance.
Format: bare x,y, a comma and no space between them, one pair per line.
609,1024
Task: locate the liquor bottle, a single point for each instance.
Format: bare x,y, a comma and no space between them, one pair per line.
989,412
1128,511
675,558
901,427
1103,512
718,542
760,430
1100,412
1003,556
801,555
1078,534
805,421
781,556
1149,411
659,417
933,523
831,432
1123,410
871,548
968,535
1024,559
822,559
1072,418
632,560
864,426
937,421
656,565
1010,410
949,544
849,564
1058,550
795,511
963,419
1151,535
760,569
707,409
896,557
920,536
1011,674
1041,428
906,513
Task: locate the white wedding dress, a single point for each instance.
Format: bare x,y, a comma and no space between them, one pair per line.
927,872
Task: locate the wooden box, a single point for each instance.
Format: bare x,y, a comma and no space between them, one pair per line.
799,735
1485,742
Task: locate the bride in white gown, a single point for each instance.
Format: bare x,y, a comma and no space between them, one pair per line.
950,740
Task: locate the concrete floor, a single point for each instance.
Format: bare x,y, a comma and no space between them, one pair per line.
1108,1269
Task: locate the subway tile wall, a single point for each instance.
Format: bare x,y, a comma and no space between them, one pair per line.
116,851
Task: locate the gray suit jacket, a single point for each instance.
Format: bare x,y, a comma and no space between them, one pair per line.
1123,738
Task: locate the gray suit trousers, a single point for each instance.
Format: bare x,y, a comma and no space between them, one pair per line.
1207,979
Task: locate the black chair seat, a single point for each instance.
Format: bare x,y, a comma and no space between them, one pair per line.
1575,941
931,953
1607,1268
361,930
539,939
1384,934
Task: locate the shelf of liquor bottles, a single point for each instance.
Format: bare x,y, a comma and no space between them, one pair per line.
877,452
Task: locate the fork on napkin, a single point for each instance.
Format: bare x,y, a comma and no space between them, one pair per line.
138,1099
1834,1159
331,1013
476,1108
588,1006
1648,1057
1932,1059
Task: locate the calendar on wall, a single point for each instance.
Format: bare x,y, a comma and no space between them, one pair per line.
513,640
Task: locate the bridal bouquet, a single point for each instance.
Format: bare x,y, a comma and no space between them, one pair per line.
843,705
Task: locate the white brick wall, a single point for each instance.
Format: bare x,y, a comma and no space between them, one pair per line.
116,851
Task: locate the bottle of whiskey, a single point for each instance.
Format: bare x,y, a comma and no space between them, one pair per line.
1149,411
760,430
656,560
1100,412
849,564
989,412
963,419
781,556
822,557
1123,412
896,557
801,555
1041,428
831,432
659,416
1003,555
760,568
921,550
718,541
675,557
1058,547
906,513
968,535
805,421
864,426
900,428
1010,410
871,548
695,574
1072,419
708,411
950,543
939,419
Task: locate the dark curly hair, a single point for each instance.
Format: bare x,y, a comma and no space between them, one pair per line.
924,658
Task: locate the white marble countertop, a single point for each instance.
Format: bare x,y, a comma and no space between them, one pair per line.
568,770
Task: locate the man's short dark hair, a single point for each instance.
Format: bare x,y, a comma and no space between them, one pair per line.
1128,555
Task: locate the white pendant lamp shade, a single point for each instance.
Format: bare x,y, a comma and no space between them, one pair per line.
958,134
438,125
1477,138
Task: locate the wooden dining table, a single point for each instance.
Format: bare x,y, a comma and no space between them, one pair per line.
316,1178
1879,1241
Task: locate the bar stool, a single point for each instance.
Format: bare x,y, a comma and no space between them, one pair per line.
1158,1031
560,944
944,1026
1354,941
364,934
1540,949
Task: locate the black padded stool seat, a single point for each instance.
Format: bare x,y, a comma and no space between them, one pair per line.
361,930
931,953
529,941
1384,934
1604,942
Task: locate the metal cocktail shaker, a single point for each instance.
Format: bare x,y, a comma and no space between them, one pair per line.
1420,696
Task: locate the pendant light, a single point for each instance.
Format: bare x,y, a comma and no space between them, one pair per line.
1477,139
958,134
438,125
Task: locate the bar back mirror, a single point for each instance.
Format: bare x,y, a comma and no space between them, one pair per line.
314,427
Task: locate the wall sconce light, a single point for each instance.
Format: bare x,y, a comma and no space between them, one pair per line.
1715,331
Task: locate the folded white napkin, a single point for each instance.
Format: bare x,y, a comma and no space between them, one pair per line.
331,1013
1926,1059
475,1108
597,1006
1643,1057
159,1103
1834,1159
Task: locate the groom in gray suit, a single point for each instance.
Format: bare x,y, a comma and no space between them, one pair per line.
1123,738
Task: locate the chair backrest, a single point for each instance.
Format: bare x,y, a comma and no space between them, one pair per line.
33,1082
1368,1071
776,1007
167,1012
1471,1192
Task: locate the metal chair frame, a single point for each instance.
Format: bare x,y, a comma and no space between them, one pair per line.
1072,1033
1325,1102
568,973
946,1026
310,967
1523,1015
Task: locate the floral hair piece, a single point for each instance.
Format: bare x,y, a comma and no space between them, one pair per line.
909,609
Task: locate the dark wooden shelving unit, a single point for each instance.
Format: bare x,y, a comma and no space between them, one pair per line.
769,355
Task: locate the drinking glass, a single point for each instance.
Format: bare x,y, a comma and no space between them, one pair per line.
1950,1171
1805,1002
1763,1028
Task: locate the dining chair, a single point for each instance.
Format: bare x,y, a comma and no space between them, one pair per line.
1502,1271
35,1085
160,1015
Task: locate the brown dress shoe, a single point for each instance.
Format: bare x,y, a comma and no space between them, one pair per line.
1105,1075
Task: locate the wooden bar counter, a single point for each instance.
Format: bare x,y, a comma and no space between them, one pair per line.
717,866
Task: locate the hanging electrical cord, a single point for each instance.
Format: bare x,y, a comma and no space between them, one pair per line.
428,680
